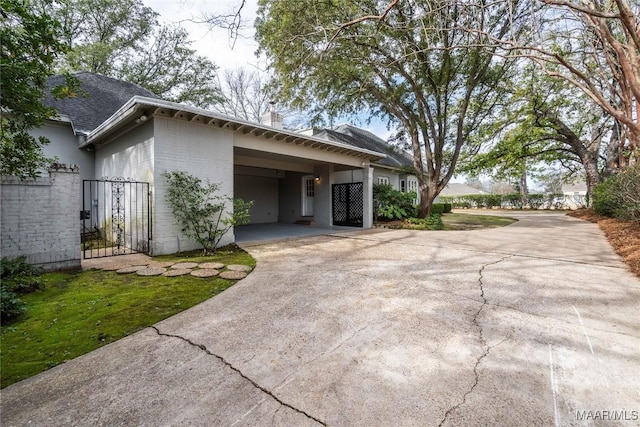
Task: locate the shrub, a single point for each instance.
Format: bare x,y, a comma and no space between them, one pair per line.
390,204
18,276
605,198
536,200
514,200
431,222
619,195
437,208
440,208
629,193
456,201
10,305
201,212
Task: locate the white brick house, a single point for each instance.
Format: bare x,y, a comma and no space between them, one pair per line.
288,175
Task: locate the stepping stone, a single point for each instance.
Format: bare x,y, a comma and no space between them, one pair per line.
233,275
156,271
130,269
238,267
177,272
181,265
205,272
214,265
160,264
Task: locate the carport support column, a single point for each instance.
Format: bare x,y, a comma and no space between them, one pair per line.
367,197
322,209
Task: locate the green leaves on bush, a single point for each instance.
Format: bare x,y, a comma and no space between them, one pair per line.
474,200
203,215
16,277
390,204
513,200
431,222
619,195
10,305
440,208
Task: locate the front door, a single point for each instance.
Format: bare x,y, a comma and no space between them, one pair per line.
308,193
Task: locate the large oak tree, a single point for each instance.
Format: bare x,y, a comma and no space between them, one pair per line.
429,67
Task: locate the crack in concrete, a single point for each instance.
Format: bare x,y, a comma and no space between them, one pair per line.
242,375
487,348
492,251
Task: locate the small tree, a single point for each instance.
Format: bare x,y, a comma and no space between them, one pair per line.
201,212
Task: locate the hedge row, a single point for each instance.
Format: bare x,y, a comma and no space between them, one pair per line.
535,201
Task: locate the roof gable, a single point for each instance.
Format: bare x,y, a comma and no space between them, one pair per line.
104,96
458,189
360,138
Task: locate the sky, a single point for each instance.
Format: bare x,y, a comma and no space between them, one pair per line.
213,43
217,45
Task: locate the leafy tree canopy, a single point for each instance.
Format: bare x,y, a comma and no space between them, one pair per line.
428,66
30,45
123,39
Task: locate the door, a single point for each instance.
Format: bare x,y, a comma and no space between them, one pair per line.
308,194
115,217
348,204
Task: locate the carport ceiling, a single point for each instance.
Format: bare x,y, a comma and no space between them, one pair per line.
262,155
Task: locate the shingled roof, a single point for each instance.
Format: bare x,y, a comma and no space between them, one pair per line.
108,95
347,134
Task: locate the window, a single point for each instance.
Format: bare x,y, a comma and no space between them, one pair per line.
403,185
383,180
310,188
413,186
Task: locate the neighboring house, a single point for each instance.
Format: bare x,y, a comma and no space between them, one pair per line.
575,195
121,132
453,189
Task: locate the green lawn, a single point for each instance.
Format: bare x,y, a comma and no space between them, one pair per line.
464,221
78,312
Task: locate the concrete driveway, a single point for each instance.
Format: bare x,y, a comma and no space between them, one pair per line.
537,323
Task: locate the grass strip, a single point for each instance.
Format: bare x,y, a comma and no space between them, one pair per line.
78,312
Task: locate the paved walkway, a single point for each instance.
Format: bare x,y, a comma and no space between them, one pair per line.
144,265
534,324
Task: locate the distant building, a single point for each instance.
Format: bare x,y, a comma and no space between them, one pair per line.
455,189
575,195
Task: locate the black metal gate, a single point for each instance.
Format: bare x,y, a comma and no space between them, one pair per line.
116,217
348,204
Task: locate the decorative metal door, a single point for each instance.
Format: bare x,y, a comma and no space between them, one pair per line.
348,204
116,217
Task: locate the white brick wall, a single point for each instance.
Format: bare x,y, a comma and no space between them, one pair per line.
199,150
40,219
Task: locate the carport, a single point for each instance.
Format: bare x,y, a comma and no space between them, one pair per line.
293,180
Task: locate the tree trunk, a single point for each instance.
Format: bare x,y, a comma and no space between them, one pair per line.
524,190
592,177
427,196
613,152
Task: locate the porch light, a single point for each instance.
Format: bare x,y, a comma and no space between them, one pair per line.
317,179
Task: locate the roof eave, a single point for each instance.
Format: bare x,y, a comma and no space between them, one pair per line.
132,107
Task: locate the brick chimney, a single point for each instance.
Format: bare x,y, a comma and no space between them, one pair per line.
272,118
